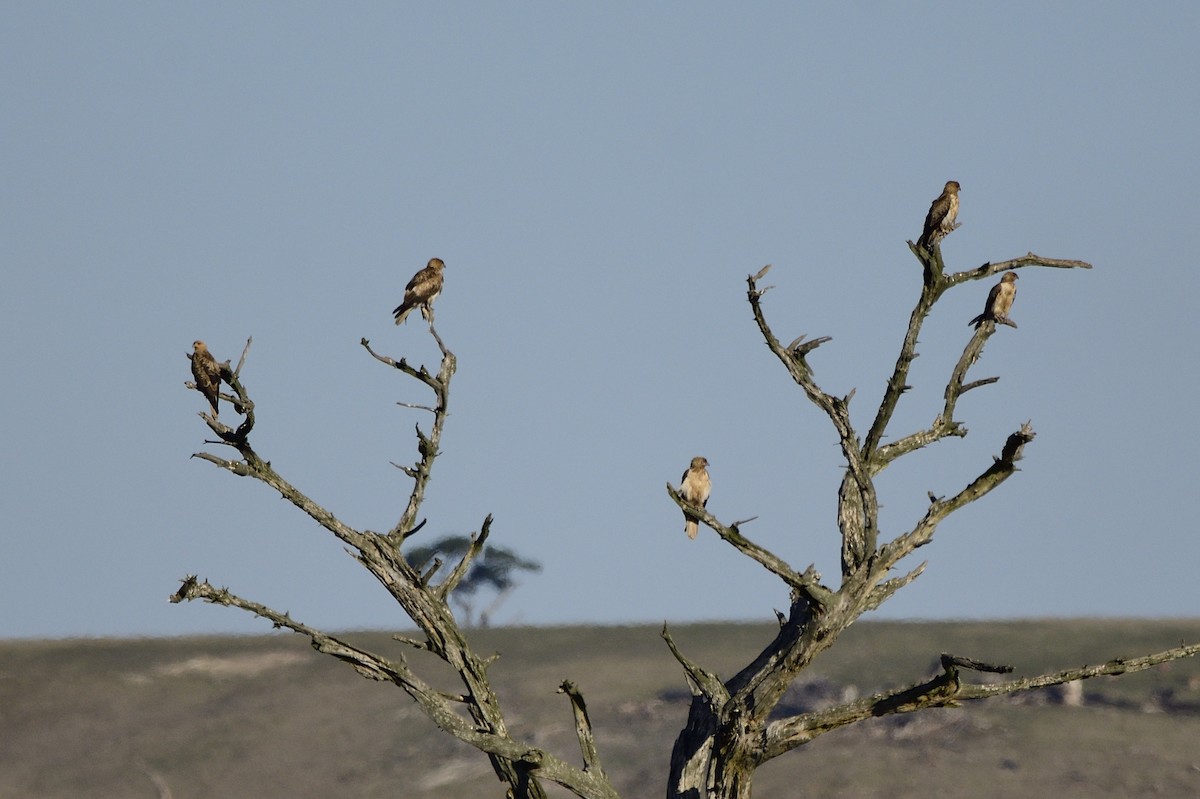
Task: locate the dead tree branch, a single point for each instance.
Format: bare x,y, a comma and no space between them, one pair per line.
808,582
428,446
521,767
946,690
934,286
702,682
583,729
1000,470
464,563
524,760
860,502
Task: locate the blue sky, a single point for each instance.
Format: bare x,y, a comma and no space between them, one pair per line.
599,181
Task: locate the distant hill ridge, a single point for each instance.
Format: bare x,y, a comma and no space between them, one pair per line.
266,716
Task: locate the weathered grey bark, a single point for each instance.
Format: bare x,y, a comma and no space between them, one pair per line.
729,730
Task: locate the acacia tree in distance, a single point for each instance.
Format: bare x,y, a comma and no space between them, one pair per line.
493,568
730,729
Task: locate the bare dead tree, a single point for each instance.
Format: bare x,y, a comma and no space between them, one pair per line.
473,716
730,729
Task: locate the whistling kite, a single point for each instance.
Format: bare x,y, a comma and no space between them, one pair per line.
695,488
940,219
999,302
421,291
207,373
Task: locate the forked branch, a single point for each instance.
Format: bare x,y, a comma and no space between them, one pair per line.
1000,470
428,445
944,425
935,284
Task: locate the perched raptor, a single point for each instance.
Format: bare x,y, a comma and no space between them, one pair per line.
695,488
207,373
999,302
421,291
941,217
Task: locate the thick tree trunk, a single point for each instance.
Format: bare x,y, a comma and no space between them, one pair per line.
692,753
698,773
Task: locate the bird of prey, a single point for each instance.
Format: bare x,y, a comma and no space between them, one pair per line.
941,217
999,302
207,373
421,291
695,488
